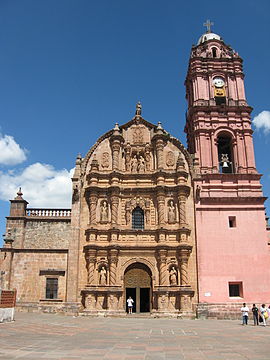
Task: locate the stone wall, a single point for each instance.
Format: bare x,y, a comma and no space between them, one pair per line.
222,311
30,269
44,234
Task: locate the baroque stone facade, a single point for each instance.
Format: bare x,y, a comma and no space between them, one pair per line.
175,229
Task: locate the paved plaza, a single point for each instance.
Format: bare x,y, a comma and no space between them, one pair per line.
47,336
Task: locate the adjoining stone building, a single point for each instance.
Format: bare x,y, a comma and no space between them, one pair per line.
177,230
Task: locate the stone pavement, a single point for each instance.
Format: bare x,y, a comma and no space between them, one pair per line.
47,336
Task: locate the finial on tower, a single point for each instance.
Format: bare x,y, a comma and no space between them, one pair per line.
208,24
138,108
19,194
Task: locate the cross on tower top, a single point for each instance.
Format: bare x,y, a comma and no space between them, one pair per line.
208,24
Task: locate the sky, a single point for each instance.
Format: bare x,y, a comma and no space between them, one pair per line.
71,69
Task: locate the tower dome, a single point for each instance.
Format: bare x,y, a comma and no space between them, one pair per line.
208,36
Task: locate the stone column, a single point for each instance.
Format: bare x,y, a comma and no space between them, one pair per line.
93,198
161,208
184,256
182,209
113,258
90,256
114,208
159,149
115,154
162,262
147,211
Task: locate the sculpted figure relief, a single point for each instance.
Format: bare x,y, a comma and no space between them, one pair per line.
103,276
134,164
104,212
171,213
173,276
141,165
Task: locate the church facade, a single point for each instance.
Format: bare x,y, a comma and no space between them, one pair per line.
181,231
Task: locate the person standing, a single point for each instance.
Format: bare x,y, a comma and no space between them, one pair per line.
244,311
130,303
263,313
255,312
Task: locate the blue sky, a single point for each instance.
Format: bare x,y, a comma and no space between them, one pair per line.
71,69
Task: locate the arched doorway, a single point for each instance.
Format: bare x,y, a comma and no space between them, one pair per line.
138,285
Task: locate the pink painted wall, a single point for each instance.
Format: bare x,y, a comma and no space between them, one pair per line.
232,254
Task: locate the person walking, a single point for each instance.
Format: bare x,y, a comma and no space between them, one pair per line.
255,312
130,303
263,314
244,311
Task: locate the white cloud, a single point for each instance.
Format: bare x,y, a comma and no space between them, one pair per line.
42,185
262,121
10,152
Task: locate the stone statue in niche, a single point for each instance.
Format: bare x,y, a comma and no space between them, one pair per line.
103,276
173,276
105,162
104,212
141,165
170,159
134,164
171,212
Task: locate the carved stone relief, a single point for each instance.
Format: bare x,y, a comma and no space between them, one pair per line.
170,159
138,135
105,160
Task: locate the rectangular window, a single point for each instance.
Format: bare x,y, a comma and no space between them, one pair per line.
235,289
232,221
51,288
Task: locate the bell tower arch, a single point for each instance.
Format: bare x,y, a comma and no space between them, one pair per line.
230,214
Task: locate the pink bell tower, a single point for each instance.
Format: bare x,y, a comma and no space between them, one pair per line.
233,255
